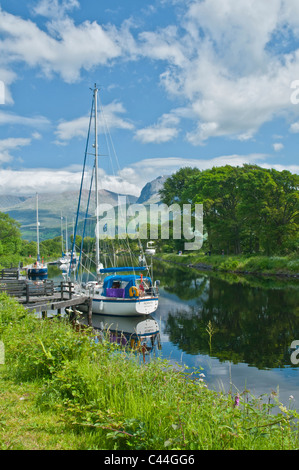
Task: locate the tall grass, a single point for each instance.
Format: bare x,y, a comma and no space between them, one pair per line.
116,401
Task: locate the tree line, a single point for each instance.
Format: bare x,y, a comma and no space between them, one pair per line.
246,209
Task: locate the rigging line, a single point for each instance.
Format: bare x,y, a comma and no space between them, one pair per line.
82,178
107,133
85,219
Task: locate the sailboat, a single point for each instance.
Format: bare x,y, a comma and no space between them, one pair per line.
120,291
66,257
37,270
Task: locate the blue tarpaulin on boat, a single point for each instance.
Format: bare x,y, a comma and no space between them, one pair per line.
119,285
118,270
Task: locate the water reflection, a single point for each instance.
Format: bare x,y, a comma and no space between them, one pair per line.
254,320
139,333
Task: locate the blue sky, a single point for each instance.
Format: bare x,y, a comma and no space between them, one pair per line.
182,83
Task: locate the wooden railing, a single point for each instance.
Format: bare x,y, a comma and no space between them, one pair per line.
68,288
9,273
27,289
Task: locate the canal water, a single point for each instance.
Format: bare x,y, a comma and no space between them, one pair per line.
252,321
236,330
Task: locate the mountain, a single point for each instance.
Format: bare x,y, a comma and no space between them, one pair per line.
50,209
52,206
150,192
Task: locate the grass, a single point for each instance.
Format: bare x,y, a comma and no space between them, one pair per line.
24,426
62,390
280,265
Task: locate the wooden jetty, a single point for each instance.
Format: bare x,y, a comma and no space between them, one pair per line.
44,296
10,273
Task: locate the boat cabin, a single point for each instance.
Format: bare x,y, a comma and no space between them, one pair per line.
126,286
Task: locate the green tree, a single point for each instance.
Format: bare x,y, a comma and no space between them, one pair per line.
270,208
246,209
10,235
174,186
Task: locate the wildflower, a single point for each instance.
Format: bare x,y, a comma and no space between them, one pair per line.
291,397
237,400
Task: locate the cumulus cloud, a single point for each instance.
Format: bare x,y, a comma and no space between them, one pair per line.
11,144
30,181
230,64
63,50
110,118
226,61
164,131
47,180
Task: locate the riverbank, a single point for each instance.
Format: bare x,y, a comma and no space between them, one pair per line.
239,264
61,390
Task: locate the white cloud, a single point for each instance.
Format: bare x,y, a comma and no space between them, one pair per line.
226,63
45,180
164,131
163,45
295,128
11,144
7,77
55,8
64,50
11,118
38,180
223,60
67,130
278,146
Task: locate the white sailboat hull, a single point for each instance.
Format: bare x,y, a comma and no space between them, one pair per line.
123,307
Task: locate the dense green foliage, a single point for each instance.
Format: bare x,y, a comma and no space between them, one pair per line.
246,209
112,400
10,235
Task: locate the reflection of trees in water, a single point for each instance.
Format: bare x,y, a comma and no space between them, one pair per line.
182,282
254,323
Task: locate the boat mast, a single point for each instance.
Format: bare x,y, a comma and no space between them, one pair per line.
95,95
66,242
61,218
37,228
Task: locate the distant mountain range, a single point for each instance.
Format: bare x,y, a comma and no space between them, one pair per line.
54,206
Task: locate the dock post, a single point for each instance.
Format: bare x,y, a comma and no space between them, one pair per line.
90,312
27,293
